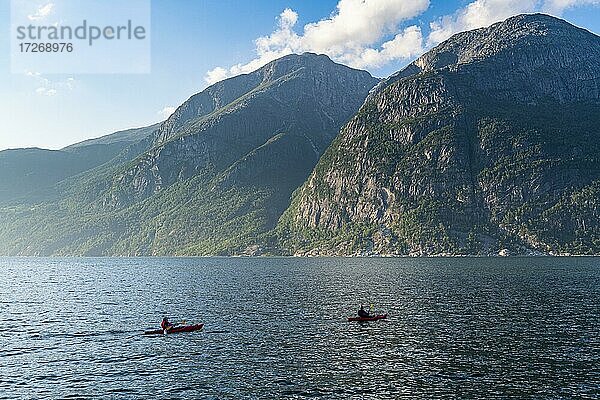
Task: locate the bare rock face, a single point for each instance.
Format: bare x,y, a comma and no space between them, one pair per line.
472,149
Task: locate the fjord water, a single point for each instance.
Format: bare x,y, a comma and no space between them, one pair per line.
276,328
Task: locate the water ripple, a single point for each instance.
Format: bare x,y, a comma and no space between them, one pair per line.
276,328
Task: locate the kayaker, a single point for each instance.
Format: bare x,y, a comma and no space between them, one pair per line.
165,324
362,313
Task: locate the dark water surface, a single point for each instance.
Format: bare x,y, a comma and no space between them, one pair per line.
276,328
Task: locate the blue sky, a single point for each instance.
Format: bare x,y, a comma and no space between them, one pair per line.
194,43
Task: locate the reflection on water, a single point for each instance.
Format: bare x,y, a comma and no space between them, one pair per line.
276,328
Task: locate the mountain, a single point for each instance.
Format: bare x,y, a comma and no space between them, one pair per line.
279,118
26,172
487,144
123,138
23,171
212,179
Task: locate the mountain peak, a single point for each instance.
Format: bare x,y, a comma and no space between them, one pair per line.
510,45
293,62
220,94
306,56
532,20
519,33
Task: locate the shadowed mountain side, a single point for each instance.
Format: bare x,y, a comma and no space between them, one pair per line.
26,175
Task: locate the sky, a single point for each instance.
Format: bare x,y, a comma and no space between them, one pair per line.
196,43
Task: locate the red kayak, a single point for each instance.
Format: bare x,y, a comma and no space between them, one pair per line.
177,329
362,319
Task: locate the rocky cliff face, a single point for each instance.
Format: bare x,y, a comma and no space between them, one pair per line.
470,149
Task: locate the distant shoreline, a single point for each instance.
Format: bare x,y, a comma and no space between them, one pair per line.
315,257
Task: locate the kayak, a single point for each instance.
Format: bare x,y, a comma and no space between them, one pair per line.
177,329
362,319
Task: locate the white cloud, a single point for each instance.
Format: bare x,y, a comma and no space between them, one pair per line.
359,23
43,91
281,42
166,112
350,35
42,12
216,75
354,32
70,83
477,14
558,7
48,87
405,45
482,13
